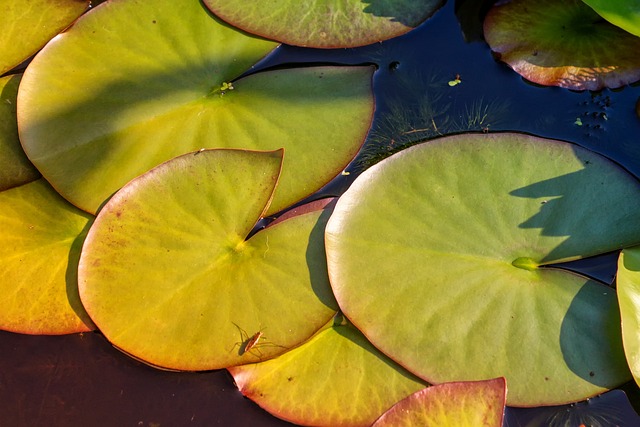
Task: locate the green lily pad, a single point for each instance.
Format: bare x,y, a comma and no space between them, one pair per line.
28,25
41,235
622,13
336,378
562,43
169,276
461,404
326,23
15,168
154,80
440,255
40,239
628,286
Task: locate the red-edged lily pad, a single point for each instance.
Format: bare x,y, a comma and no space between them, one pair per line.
336,378
326,23
152,80
562,43
170,276
461,404
440,255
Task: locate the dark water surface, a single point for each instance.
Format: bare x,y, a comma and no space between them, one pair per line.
80,380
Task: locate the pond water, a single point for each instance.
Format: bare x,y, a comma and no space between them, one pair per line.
82,380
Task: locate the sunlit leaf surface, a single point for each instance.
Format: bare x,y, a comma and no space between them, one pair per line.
40,239
325,23
26,25
41,235
337,378
135,83
169,276
461,404
439,255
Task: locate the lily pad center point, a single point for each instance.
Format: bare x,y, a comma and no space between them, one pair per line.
525,263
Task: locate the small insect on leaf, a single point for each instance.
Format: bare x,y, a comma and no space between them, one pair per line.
248,343
252,342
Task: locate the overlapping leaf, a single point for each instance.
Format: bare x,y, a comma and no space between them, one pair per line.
623,13
27,25
169,276
325,23
439,253
15,168
138,82
628,286
563,44
461,404
337,378
41,236
40,239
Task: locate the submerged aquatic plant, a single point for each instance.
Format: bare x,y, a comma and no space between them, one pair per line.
403,125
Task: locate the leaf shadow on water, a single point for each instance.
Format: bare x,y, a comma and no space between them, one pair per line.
407,12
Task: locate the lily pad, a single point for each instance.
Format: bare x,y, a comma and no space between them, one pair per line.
40,239
336,378
169,276
622,13
441,255
326,23
41,235
562,43
461,404
156,79
628,286
28,25
15,168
